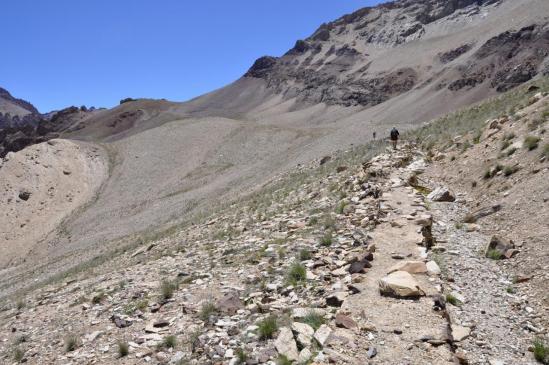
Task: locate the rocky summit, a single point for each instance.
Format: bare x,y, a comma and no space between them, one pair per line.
271,222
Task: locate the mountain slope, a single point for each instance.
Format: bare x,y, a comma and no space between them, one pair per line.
400,63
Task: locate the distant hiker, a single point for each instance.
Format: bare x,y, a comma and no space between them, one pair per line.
394,137
374,134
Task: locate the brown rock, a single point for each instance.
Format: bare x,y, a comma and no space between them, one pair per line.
345,321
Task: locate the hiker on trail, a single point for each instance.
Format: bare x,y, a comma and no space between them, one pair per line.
394,137
374,134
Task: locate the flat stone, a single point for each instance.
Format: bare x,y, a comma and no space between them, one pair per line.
285,344
432,268
345,321
322,334
400,284
460,333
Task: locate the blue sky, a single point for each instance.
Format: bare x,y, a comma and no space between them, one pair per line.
58,53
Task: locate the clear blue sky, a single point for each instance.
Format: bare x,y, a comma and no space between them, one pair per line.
58,53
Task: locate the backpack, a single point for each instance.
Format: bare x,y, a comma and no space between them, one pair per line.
394,134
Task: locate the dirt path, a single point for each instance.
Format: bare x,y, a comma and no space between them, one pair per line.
400,324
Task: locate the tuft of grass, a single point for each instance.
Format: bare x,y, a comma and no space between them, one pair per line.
296,274
20,304
18,354
469,218
510,290
167,288
545,151
328,222
169,342
327,239
283,360
313,221
541,351
98,298
493,254
453,300
123,349
509,136
267,327
21,339
341,207
531,142
458,225
510,170
241,355
305,254
504,144
208,309
510,151
71,343
314,320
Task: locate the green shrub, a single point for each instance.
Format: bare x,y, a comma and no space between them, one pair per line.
313,221
545,151
241,355
123,349
71,343
98,298
340,207
531,142
169,342
20,304
283,360
328,222
167,288
510,170
510,151
509,136
18,354
207,310
267,327
505,144
327,239
305,255
493,254
453,300
296,274
314,320
541,351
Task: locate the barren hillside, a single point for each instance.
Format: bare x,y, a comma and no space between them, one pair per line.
401,63
435,253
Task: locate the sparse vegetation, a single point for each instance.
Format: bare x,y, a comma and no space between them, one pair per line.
510,151
241,355
296,274
545,151
327,239
459,225
167,288
541,351
71,343
169,342
314,320
505,144
123,349
510,290
509,136
453,300
510,170
493,254
469,218
20,304
267,327
531,142
304,254
207,310
283,360
17,354
341,207
98,298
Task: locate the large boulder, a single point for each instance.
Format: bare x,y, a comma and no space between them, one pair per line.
441,194
400,284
